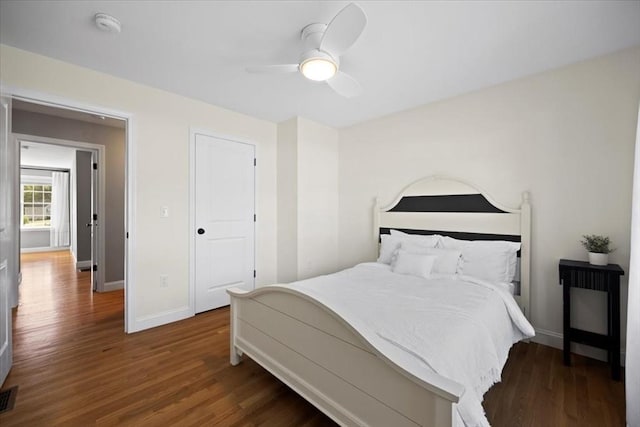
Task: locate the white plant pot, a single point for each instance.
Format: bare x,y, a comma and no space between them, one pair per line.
598,259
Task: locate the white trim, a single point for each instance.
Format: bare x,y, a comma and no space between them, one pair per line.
163,318
48,99
44,249
113,286
102,188
130,322
83,264
34,179
192,219
192,205
555,340
39,228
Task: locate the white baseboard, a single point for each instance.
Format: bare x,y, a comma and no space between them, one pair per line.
44,249
113,286
83,264
160,319
555,339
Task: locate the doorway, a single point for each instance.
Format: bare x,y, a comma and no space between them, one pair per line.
10,215
67,201
119,254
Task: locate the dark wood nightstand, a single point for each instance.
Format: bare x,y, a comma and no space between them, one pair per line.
606,278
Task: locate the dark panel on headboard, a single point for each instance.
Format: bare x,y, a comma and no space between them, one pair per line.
475,203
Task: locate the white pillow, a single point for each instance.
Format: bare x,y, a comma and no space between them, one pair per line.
447,260
430,240
388,246
491,260
414,264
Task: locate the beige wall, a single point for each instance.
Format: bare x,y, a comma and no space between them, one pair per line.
317,199
161,123
307,199
288,201
566,135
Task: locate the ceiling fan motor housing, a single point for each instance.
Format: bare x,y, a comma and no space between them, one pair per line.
312,34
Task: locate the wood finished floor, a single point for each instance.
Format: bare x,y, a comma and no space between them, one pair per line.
76,367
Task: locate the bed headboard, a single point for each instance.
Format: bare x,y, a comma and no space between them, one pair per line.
441,205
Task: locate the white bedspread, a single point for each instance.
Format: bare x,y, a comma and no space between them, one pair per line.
460,327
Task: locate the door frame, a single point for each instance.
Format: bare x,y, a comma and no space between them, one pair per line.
130,322
193,132
100,150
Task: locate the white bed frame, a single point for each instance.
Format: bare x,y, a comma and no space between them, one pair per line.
324,359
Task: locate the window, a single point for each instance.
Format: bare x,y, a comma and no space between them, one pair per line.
36,205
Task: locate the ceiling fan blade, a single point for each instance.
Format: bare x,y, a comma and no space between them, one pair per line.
273,69
345,85
343,30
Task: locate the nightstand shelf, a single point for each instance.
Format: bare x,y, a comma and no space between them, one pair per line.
606,278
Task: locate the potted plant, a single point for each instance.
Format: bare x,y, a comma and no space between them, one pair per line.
598,247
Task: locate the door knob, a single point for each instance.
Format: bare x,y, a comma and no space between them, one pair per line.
200,230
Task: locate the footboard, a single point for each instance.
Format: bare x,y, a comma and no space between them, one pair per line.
320,356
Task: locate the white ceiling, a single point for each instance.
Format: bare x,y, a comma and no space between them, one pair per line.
46,155
411,53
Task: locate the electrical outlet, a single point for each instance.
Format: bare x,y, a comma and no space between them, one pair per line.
164,281
164,212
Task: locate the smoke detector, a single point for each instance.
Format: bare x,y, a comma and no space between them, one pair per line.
107,23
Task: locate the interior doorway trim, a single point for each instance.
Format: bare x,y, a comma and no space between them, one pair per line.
131,324
101,150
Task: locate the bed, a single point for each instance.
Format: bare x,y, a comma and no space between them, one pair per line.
349,367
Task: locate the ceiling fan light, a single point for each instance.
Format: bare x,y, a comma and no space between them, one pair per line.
318,69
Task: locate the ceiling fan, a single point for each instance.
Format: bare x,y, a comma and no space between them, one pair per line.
323,46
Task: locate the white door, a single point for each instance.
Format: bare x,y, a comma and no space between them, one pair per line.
224,219
7,257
